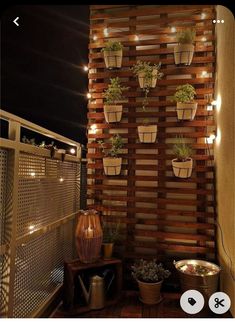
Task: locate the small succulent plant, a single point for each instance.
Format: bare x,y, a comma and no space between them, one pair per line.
112,46
116,145
184,93
149,271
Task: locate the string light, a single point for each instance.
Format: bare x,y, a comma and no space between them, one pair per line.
85,68
209,107
204,39
61,179
33,174
72,151
88,95
95,37
31,228
106,32
93,128
173,29
214,102
203,15
211,138
204,73
136,38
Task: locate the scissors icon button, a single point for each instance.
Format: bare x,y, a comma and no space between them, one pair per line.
218,302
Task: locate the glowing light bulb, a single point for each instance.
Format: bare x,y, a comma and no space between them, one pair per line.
214,102
209,108
72,150
106,32
88,95
204,73
211,138
94,37
61,179
173,29
204,39
136,38
85,68
33,174
203,15
31,228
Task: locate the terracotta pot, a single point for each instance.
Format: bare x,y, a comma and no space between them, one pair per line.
182,169
113,59
112,166
183,54
186,111
148,82
147,133
107,250
150,293
112,113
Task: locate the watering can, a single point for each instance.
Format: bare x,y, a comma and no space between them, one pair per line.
95,297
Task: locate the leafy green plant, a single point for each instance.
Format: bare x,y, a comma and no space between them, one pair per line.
184,93
149,271
116,145
147,69
181,150
114,91
111,233
186,36
112,46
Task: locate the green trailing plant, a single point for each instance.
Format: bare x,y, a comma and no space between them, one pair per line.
147,69
186,36
184,93
111,233
116,146
113,93
149,271
112,46
181,150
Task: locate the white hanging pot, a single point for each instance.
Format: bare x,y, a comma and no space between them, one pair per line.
148,82
186,111
112,113
112,166
147,133
183,54
113,59
182,169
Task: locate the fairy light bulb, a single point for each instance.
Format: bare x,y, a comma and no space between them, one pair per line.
203,15
72,151
85,68
173,29
106,32
93,128
136,38
211,138
94,37
204,73
88,95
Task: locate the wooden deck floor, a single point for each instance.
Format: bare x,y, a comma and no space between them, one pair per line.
130,307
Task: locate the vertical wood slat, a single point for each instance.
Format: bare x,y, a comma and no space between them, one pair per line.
165,207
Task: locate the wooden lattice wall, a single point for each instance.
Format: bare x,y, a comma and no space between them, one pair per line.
161,215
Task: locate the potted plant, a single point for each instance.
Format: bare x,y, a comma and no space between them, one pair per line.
186,106
183,163
147,132
112,95
147,74
112,164
110,236
113,54
149,276
183,51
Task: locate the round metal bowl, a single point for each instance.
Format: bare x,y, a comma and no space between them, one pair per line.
206,284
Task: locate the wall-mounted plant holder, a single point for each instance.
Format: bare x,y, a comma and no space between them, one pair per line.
112,166
186,111
183,54
147,133
112,113
182,169
147,74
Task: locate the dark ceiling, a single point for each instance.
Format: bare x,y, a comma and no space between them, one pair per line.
42,76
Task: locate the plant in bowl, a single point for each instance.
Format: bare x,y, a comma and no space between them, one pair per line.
186,106
149,276
147,132
183,163
111,233
113,54
183,51
112,163
112,95
147,74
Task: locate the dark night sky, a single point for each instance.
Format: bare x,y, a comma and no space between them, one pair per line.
42,76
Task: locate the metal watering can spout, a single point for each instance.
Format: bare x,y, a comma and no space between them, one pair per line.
85,292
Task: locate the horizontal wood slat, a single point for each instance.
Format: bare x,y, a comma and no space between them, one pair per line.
166,215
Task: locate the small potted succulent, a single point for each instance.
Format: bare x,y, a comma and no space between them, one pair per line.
183,51
113,95
112,163
110,236
149,276
147,74
186,106
147,132
113,54
183,164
